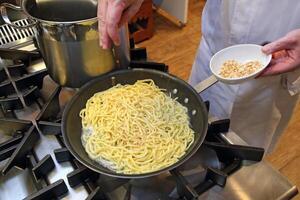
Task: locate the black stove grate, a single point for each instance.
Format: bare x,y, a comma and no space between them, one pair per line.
19,87
18,149
231,157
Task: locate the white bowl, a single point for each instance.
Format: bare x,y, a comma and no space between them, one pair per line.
241,53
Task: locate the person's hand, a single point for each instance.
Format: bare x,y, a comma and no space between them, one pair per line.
111,15
285,54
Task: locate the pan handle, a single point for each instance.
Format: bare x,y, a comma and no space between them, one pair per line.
203,85
5,17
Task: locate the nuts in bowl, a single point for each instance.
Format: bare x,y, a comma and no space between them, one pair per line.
239,63
235,69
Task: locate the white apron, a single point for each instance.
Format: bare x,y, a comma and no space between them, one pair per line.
259,109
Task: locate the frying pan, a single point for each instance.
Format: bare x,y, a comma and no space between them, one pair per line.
186,95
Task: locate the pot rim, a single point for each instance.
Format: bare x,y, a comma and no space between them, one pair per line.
55,22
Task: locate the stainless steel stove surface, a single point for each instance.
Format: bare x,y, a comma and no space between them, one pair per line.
35,163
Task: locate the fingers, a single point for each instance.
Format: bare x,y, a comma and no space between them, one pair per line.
280,54
284,43
278,67
104,39
130,12
285,54
111,14
113,17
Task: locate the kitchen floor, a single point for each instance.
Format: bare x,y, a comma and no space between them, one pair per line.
177,47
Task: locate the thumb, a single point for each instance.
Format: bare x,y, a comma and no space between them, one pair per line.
278,45
130,12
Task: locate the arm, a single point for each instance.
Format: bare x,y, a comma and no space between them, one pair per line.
112,14
286,54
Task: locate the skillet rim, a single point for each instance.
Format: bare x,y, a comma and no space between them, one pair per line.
133,176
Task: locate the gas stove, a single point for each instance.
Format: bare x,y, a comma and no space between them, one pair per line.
35,163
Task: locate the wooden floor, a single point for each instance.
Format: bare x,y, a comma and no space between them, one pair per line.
177,47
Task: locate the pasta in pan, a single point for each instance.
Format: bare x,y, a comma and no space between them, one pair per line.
135,129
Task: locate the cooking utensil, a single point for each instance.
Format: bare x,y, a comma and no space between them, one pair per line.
187,96
68,38
241,53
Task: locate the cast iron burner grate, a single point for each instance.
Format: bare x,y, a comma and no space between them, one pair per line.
19,87
18,150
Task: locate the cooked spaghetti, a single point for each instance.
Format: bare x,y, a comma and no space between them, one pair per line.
135,129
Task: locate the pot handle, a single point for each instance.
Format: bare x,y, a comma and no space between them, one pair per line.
7,20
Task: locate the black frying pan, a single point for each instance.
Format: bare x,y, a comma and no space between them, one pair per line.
187,96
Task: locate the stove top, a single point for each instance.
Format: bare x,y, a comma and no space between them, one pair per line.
35,163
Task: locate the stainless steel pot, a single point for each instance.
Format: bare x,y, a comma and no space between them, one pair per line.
68,38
